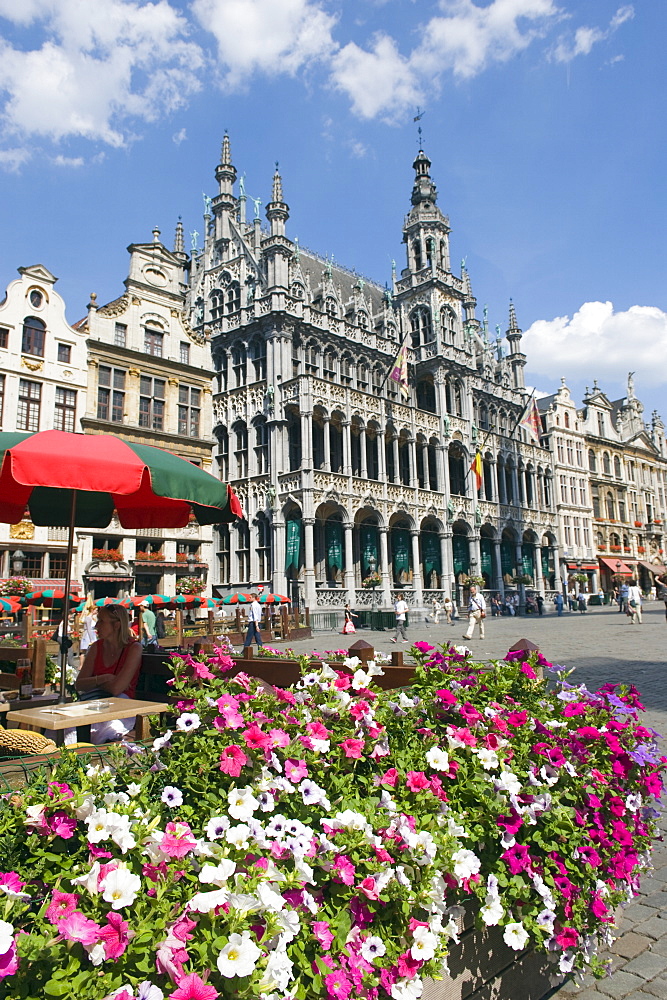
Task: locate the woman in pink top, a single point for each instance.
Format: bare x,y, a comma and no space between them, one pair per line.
112,665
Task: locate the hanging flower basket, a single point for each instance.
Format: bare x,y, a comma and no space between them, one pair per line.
16,586
190,585
372,580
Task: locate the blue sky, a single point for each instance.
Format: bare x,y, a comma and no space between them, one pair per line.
544,121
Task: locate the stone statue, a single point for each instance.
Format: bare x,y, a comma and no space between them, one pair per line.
207,203
242,186
194,237
631,385
257,202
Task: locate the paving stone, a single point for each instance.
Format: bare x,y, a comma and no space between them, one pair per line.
640,995
654,928
588,994
659,947
648,965
633,943
620,984
657,987
638,912
657,899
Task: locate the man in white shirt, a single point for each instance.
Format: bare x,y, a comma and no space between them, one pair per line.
400,610
635,603
476,613
254,618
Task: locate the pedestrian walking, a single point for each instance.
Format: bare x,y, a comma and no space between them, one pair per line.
349,626
448,608
572,600
437,608
476,613
661,587
254,618
634,603
623,595
540,604
400,610
558,601
582,603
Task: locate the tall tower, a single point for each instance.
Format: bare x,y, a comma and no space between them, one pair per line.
516,358
224,203
277,248
426,230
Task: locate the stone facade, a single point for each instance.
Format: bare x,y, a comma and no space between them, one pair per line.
344,478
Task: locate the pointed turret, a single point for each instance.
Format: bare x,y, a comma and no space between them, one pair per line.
226,151
179,241
424,190
426,229
277,212
517,359
224,204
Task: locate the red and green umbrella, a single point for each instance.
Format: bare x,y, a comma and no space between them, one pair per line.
137,600
105,602
238,598
49,597
273,599
10,604
79,480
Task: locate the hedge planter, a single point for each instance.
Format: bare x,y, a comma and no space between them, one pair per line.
326,840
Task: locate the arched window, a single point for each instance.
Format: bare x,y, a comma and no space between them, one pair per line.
457,472
430,251
448,324
241,449
216,300
330,307
222,456
329,364
606,463
336,442
611,507
362,374
243,550
458,399
502,422
258,356
372,453
433,464
297,290
421,326
261,447
346,366
567,419
617,467
233,303
294,439
404,463
421,461
592,462
426,394
312,357
356,441
483,417
362,320
390,465
417,254
377,378
488,477
263,548
34,335
239,364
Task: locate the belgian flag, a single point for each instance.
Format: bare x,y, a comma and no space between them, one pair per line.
476,467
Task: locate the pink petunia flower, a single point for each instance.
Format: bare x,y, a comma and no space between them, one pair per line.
338,985
417,781
10,883
233,760
192,987
528,671
369,888
78,928
61,905
295,770
322,933
256,739
344,870
62,825
568,937
353,748
279,737
423,647
390,777
408,966
9,962
318,730
59,790
177,840
115,935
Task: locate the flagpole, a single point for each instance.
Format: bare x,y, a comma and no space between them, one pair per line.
481,446
390,370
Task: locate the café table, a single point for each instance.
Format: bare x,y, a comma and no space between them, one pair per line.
83,714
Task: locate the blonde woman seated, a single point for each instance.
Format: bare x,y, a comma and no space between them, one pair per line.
111,668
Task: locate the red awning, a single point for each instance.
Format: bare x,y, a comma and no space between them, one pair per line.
575,566
616,566
653,567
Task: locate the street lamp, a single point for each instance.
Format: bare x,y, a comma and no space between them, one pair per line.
192,564
618,566
17,562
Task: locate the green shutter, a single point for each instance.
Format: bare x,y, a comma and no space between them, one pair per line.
370,562
293,546
461,554
333,537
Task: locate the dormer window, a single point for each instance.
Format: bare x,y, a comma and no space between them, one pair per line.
362,320
330,307
153,340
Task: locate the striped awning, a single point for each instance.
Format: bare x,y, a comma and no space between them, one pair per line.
616,566
654,568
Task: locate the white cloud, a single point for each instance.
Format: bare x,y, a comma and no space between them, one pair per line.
379,82
597,342
13,159
179,137
585,38
464,40
68,161
96,67
270,36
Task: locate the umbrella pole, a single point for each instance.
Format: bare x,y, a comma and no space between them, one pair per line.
68,580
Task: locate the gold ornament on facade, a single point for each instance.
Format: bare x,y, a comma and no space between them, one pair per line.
134,372
32,366
172,381
115,308
24,530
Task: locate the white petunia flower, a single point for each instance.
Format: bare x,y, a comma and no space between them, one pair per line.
424,943
488,759
507,781
133,789
515,936
360,680
188,722
216,827
98,826
492,912
217,874
438,759
89,879
372,947
120,888
161,741
81,812
242,803
278,972
172,796
290,923
407,989
238,835
96,954
465,863
6,936
205,902
269,898
239,956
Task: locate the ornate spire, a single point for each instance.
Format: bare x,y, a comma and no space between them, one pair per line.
179,242
513,325
226,154
277,191
424,189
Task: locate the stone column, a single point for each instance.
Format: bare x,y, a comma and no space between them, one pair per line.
539,579
327,444
498,567
412,460
417,583
473,543
521,588
362,454
382,458
350,577
279,577
309,573
397,467
384,568
307,440
347,449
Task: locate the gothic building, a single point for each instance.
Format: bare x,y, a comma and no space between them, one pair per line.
354,490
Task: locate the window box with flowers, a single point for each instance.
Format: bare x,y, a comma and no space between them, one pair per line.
657,520
641,549
108,555
638,524
149,557
615,548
